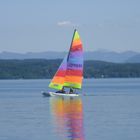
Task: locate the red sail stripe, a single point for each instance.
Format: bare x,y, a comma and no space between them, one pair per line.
62,73
76,48
74,72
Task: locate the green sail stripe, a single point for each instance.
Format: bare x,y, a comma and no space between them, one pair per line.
56,86
76,36
72,85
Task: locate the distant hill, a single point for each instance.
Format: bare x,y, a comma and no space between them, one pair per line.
32,55
134,59
44,69
108,56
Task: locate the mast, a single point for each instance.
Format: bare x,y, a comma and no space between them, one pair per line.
71,44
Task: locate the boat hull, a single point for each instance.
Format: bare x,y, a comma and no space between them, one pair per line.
63,95
53,94
45,94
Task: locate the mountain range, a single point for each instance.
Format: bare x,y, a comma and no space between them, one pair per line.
108,56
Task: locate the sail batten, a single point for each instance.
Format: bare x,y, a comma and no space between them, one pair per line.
70,72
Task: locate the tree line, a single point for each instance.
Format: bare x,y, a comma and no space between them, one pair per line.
45,69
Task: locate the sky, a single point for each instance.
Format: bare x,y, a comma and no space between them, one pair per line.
48,25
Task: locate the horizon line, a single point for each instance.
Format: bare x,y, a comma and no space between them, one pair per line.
99,50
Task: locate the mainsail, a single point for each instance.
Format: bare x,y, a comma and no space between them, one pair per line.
70,72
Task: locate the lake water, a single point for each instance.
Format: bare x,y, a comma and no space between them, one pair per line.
110,110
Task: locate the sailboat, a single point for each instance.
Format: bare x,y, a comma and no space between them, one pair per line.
70,72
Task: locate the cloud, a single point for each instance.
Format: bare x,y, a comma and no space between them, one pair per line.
66,24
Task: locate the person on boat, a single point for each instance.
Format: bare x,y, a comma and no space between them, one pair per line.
61,91
71,91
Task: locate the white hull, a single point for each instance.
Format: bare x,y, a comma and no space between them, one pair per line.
53,94
63,95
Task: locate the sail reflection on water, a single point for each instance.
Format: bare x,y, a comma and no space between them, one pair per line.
67,115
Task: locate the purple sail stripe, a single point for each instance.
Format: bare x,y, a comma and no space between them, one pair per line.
76,61
76,54
72,66
63,67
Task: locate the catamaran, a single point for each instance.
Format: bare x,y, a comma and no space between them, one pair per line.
70,73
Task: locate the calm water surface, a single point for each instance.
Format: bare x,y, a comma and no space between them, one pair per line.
110,110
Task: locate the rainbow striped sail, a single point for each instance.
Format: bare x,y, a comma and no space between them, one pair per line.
70,72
